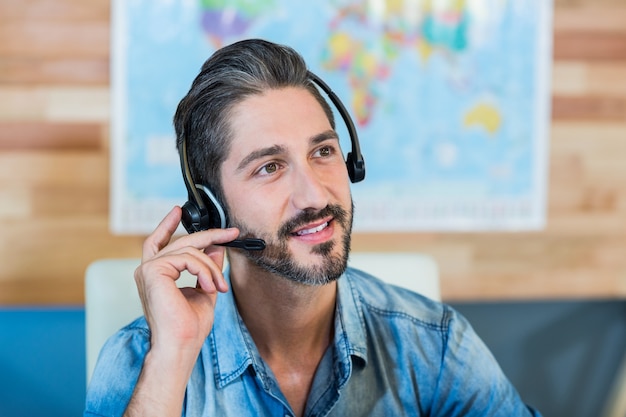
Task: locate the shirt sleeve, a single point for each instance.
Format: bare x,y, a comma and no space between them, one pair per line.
117,371
470,382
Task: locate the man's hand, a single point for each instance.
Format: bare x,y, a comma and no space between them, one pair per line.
180,319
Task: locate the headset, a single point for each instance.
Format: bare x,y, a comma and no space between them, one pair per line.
203,211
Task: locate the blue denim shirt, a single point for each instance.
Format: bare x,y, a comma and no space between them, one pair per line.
395,353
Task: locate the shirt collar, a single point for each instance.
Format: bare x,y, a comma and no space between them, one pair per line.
230,341
349,322
234,350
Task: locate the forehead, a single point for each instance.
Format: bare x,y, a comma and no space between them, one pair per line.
276,115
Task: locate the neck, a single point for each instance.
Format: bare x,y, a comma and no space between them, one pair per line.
290,323
284,317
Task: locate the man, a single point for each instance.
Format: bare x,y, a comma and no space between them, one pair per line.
291,332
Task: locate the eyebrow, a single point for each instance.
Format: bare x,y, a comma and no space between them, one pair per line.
258,154
278,149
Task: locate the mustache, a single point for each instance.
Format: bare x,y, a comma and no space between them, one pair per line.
309,216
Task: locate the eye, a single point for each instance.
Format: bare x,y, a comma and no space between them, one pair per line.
325,151
269,168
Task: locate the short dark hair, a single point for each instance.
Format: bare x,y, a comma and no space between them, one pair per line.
229,76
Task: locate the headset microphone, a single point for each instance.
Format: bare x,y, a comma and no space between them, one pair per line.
203,211
250,243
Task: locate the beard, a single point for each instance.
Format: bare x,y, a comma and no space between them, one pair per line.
277,259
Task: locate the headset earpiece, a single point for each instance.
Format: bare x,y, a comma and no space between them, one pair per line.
202,211
354,160
356,168
216,213
208,215
192,218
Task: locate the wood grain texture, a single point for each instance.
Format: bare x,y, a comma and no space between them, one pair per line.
71,104
590,45
45,136
54,165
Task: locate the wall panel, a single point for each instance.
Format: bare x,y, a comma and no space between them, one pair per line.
54,165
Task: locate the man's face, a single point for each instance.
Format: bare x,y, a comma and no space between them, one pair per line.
285,181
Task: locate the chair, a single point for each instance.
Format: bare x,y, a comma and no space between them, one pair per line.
112,301
415,271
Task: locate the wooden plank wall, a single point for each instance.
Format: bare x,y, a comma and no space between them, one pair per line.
54,165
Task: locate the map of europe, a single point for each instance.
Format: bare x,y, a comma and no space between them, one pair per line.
450,98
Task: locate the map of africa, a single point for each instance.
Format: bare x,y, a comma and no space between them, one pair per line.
450,99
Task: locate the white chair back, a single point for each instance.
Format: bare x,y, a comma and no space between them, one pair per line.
416,271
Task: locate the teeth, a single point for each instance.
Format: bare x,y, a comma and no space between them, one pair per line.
313,230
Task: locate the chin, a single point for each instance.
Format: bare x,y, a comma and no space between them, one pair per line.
320,265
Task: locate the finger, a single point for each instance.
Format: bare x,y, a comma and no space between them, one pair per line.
216,252
161,236
214,279
204,239
208,270
196,262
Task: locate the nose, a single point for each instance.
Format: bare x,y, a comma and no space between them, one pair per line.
309,189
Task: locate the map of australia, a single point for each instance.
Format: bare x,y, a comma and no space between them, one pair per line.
449,97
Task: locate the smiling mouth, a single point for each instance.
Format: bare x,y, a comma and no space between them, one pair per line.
309,223
312,230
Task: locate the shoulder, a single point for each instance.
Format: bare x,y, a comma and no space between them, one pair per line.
136,332
414,330
117,369
126,347
378,297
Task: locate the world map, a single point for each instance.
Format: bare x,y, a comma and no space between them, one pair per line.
450,99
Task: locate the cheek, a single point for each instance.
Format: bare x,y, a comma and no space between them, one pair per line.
343,193
255,209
